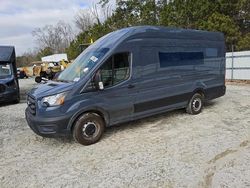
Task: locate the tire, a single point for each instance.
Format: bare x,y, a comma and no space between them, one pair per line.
17,100
195,104
88,129
38,79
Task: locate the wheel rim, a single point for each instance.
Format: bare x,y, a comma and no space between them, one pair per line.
90,129
196,104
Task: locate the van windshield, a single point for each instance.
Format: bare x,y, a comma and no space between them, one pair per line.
5,70
82,64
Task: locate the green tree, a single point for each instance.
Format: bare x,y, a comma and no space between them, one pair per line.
237,10
243,18
186,14
74,49
228,16
224,24
44,52
135,12
244,43
26,59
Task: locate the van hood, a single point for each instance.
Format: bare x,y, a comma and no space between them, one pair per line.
50,88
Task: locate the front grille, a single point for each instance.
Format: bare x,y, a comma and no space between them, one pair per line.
2,88
31,105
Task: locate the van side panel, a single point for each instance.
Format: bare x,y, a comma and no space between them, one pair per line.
200,64
172,70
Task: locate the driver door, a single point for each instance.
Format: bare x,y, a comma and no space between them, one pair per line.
118,94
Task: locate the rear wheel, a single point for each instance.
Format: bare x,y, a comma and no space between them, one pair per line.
195,104
88,129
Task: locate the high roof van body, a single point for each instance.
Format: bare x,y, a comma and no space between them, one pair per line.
126,75
9,86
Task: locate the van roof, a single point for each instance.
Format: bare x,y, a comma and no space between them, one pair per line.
6,53
172,33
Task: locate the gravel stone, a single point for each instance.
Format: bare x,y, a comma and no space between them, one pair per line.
173,149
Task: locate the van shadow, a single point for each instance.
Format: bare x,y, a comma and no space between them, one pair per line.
8,103
23,94
3,104
131,125
140,123
23,97
136,124
151,119
210,104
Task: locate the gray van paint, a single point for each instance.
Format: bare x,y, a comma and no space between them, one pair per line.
150,88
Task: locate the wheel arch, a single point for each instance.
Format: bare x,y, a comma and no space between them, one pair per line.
103,114
201,91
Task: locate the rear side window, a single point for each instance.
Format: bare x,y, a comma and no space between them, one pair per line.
211,52
115,70
168,59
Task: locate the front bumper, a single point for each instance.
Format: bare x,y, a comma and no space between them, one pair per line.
8,96
48,127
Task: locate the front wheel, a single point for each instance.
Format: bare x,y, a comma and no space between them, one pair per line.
195,104
88,129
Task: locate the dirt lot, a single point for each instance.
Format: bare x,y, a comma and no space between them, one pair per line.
174,149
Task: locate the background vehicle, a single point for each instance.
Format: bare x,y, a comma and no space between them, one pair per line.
65,64
51,66
130,74
21,73
9,87
46,70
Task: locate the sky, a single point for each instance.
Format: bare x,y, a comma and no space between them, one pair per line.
18,18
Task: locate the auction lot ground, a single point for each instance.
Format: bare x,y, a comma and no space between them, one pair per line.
174,149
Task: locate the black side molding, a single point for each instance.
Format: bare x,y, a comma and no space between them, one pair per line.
140,107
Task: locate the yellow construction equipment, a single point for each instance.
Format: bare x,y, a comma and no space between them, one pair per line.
64,63
45,70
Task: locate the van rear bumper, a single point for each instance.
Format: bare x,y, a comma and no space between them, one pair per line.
215,92
48,127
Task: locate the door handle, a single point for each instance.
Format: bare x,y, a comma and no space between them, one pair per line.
130,86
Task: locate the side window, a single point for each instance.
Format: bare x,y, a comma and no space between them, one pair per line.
116,69
211,52
168,59
120,68
106,73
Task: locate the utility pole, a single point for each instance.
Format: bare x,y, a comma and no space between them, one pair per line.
232,70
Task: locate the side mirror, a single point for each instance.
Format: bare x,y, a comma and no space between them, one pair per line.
97,81
101,87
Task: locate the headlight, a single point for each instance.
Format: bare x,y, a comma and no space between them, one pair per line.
54,100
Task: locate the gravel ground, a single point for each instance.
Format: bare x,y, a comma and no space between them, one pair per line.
174,149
